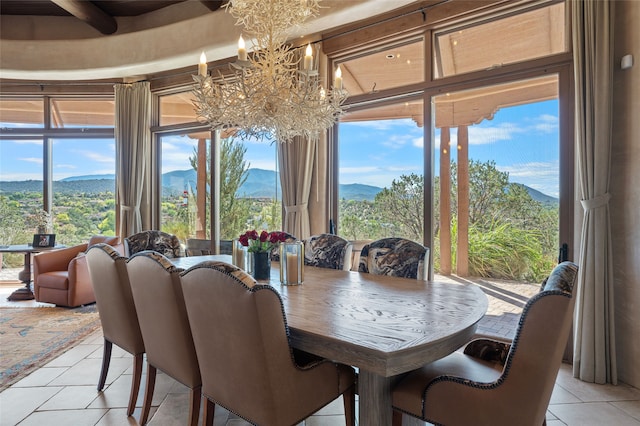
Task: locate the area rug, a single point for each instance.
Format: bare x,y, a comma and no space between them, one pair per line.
31,337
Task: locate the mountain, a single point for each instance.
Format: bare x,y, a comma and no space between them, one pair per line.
259,184
358,192
540,197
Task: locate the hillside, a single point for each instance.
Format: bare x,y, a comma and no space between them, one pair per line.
259,184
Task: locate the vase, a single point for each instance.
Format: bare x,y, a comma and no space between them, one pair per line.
261,266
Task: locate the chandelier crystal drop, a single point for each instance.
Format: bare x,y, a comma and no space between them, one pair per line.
274,93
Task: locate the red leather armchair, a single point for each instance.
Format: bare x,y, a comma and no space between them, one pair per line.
62,276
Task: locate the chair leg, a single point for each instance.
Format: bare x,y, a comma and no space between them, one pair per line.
349,401
396,420
135,382
148,393
194,406
106,360
209,411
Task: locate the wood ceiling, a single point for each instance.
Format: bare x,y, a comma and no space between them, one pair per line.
99,14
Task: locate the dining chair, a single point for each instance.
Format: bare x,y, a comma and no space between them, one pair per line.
396,257
328,251
108,270
493,382
157,294
248,366
159,241
201,247
275,252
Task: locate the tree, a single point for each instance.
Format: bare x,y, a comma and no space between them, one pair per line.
487,189
234,212
403,205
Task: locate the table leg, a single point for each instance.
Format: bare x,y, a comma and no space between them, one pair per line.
24,293
374,399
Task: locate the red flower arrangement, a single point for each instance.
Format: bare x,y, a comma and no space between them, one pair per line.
263,242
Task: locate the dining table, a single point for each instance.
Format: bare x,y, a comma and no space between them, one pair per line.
382,325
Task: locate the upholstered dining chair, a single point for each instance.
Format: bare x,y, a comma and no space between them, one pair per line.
397,257
157,294
202,247
117,311
159,241
275,252
242,341
328,251
497,383
62,277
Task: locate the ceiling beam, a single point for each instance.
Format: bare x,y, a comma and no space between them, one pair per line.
90,14
213,5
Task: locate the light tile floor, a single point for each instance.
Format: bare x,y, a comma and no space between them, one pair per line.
63,392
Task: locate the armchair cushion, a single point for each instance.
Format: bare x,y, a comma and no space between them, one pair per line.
62,276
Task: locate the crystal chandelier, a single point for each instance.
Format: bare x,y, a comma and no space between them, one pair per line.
274,93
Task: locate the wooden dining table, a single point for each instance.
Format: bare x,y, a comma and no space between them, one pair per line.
384,326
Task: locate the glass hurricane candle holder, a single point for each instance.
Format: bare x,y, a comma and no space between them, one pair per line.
239,255
292,263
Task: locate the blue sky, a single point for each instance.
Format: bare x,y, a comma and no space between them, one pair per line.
522,141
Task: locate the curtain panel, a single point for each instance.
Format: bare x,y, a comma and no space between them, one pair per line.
133,154
594,337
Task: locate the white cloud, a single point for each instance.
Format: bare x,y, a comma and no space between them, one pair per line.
28,142
65,166
36,160
542,176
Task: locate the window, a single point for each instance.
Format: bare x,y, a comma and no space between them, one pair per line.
497,180
21,112
82,113
250,195
499,42
177,108
381,172
73,176
83,189
384,68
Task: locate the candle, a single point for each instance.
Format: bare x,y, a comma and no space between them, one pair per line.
292,268
337,82
308,58
242,52
202,66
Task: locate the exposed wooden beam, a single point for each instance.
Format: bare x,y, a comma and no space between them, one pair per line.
213,5
90,14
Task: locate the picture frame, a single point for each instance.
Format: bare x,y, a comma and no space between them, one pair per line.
44,240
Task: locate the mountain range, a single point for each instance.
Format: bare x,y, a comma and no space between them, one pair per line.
259,184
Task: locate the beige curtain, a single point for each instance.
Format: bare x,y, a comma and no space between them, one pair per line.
594,341
296,164
133,155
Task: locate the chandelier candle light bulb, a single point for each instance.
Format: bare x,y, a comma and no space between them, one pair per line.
308,58
202,66
242,51
337,83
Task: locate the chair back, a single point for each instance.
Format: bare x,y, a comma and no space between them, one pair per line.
328,251
521,391
275,252
396,257
155,284
200,247
111,287
536,352
166,244
240,332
